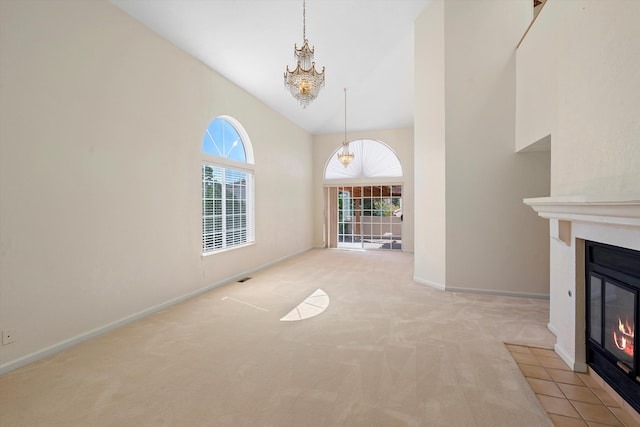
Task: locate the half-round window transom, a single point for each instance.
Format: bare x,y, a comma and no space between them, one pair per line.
372,159
223,140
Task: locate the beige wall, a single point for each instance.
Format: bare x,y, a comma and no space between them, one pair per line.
536,84
493,243
101,126
598,141
592,61
430,144
400,141
585,55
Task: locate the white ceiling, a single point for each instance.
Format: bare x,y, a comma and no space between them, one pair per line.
365,45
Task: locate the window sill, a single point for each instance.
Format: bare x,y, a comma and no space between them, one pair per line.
217,251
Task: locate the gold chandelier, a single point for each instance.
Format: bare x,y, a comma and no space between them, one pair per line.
345,156
304,82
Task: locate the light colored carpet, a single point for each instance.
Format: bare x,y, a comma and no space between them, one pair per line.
386,352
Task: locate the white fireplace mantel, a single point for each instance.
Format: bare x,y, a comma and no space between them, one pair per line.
616,210
614,220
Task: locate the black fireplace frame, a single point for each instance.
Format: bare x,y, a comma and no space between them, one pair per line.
620,267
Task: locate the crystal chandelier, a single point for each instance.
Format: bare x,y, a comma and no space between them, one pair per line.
304,82
345,156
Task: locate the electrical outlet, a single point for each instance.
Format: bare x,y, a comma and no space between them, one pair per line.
8,336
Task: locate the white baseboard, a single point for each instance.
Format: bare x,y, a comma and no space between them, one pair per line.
37,355
429,283
498,293
480,291
575,366
552,329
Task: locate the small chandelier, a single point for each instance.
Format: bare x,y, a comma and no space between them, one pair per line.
345,156
304,82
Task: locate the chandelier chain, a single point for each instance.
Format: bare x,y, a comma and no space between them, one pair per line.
345,156
304,21
345,115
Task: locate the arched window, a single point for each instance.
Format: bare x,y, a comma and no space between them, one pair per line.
359,215
372,159
227,186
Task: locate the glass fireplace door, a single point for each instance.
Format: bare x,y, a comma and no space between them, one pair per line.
612,303
619,323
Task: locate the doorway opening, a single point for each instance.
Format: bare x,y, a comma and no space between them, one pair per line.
363,201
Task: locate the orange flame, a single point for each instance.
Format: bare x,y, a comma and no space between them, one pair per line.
624,341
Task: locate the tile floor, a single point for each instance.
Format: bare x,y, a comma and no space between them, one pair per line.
571,399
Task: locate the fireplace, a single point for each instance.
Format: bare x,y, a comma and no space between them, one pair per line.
612,301
612,219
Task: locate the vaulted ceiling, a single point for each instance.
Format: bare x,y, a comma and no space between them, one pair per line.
365,45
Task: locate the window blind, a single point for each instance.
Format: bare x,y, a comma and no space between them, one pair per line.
227,208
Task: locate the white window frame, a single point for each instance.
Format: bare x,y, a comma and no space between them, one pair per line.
224,165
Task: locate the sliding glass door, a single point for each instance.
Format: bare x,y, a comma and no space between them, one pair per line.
368,217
